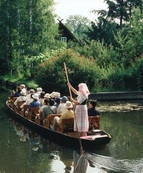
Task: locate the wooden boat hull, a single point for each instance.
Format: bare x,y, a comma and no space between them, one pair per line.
57,137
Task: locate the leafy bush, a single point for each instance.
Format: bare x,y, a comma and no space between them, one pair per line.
130,79
51,76
104,55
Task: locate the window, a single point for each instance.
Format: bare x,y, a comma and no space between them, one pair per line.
64,39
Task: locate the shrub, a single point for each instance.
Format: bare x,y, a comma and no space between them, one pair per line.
130,79
51,76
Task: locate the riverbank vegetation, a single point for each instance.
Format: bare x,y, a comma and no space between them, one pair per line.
108,55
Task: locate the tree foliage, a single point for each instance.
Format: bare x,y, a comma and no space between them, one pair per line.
27,28
51,74
78,25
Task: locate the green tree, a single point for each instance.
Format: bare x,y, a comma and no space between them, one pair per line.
27,28
103,30
7,28
130,40
117,10
78,25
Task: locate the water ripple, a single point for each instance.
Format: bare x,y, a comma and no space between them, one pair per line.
113,164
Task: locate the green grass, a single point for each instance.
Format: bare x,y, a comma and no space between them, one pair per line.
20,79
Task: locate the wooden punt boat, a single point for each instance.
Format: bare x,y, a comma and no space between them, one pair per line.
95,138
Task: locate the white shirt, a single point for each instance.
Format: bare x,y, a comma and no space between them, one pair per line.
20,98
28,101
61,109
81,98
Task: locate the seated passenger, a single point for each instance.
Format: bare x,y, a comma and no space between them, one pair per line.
49,109
31,91
35,103
22,97
17,92
92,111
14,90
28,101
62,108
47,96
23,87
46,102
41,97
39,90
67,115
57,101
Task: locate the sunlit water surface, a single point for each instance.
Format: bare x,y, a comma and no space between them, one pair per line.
22,151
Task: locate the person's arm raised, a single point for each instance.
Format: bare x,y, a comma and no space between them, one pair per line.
72,88
75,101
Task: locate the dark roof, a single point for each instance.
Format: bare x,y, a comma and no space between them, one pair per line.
65,32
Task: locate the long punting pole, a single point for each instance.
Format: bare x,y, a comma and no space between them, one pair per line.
65,67
81,148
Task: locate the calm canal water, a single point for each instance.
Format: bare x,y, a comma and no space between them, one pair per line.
22,151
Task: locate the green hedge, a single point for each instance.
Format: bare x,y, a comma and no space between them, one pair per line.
51,76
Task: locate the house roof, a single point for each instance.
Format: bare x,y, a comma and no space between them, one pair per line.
65,32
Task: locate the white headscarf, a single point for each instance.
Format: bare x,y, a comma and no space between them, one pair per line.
83,89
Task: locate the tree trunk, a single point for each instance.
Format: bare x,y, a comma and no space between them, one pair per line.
31,30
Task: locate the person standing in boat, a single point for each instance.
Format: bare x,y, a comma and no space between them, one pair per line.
81,123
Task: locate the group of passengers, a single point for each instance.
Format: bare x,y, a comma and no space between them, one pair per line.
47,103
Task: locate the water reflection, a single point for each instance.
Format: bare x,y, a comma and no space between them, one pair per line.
127,134
62,159
27,152
65,160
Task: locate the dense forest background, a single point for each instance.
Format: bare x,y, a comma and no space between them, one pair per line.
107,54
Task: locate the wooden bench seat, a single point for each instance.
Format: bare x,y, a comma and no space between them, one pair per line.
11,102
94,122
33,112
67,125
49,119
17,108
23,110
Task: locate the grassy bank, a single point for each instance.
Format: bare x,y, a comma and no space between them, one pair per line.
20,79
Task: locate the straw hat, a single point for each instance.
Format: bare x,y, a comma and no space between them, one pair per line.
31,91
57,94
23,92
68,104
22,86
47,96
39,90
35,96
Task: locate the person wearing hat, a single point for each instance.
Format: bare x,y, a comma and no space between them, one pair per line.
22,86
67,115
47,96
39,90
28,101
35,103
62,108
31,92
22,97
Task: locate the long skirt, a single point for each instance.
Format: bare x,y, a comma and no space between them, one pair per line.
81,123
